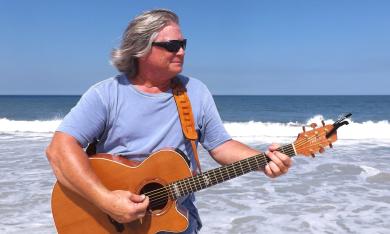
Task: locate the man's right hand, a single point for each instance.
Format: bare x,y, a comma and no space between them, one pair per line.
69,160
124,206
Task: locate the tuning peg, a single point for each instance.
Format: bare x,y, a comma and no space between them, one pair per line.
313,125
323,122
304,130
312,153
321,150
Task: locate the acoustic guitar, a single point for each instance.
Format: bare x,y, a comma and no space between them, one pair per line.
164,177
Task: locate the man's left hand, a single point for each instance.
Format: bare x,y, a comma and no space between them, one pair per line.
280,162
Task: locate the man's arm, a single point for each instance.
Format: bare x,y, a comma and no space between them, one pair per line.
232,151
72,169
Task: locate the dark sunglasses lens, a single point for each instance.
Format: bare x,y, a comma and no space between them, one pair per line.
184,44
173,46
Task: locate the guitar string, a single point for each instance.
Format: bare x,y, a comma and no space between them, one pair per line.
198,180
229,169
165,191
221,172
163,200
263,163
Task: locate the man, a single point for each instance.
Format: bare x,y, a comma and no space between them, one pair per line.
134,114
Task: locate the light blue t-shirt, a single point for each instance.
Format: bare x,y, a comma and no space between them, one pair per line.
133,123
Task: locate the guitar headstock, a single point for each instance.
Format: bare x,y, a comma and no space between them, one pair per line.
316,140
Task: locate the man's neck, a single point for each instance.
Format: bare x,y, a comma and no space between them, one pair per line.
151,84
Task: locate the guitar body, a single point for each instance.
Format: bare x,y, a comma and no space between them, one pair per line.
74,214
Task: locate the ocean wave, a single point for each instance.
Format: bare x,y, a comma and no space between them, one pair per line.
354,131
248,130
369,171
39,126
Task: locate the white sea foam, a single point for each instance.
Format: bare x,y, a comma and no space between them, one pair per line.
251,130
354,131
14,126
369,171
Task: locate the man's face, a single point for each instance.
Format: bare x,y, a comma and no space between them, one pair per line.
162,61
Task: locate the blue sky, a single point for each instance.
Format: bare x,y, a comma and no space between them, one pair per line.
235,47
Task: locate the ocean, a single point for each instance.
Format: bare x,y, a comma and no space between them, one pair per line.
344,190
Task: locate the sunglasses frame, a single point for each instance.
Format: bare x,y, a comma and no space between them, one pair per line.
172,46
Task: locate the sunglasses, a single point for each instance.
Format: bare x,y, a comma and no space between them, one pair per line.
172,45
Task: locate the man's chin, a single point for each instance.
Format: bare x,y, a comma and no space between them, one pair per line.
177,69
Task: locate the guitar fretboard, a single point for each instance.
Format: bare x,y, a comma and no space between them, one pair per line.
221,174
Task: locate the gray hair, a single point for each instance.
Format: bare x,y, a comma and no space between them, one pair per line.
138,37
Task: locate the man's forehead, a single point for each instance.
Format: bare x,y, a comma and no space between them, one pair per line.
170,32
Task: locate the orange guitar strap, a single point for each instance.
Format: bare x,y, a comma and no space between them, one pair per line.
186,116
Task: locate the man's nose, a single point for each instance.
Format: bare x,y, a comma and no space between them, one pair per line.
181,51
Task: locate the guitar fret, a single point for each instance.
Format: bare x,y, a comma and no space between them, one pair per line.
242,171
170,189
263,159
230,171
200,181
255,165
233,170
181,188
257,162
282,149
185,188
191,186
288,150
197,183
209,179
176,189
194,184
227,171
203,182
188,185
221,174
247,161
216,180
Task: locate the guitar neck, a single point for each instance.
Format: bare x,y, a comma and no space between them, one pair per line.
218,175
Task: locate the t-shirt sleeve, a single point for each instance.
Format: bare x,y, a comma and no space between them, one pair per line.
213,132
86,121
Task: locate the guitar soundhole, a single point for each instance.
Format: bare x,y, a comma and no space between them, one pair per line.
158,196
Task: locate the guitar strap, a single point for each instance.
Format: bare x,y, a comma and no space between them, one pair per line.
186,116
